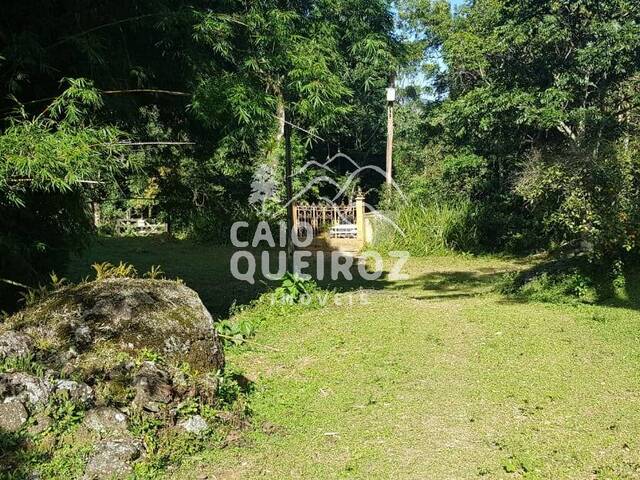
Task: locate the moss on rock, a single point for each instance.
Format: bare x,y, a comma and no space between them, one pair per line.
143,348
122,316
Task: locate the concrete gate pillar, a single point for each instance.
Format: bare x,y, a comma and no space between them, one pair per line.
360,217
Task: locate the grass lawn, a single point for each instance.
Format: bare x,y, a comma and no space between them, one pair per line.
203,267
436,377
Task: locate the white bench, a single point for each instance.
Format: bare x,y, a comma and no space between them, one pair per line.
347,230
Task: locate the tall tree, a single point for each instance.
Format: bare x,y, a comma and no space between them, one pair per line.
546,92
219,76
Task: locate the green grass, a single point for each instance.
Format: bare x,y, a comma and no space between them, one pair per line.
202,266
436,377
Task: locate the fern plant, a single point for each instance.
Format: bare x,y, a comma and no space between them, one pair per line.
26,364
106,270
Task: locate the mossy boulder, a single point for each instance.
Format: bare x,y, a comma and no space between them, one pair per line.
152,341
83,324
105,361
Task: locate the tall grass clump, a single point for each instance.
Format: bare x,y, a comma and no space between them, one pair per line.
437,228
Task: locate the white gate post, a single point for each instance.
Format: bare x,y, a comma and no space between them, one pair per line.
360,217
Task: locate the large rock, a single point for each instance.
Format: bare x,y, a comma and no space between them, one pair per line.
25,388
129,315
106,420
77,391
12,416
153,386
14,344
140,347
194,424
112,459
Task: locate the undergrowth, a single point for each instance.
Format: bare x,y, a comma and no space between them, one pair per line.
570,287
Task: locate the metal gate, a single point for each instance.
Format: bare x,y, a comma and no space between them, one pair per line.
330,219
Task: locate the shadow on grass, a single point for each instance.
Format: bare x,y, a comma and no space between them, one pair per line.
629,297
453,284
203,267
206,268
563,279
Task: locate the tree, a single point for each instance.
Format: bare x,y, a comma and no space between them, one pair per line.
219,77
545,91
47,165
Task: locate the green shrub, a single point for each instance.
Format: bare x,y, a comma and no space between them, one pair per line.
293,288
562,288
64,412
236,332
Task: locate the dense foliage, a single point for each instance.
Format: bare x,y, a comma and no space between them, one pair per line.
519,135
535,117
171,105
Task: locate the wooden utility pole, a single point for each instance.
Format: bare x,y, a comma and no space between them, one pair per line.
391,98
289,192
